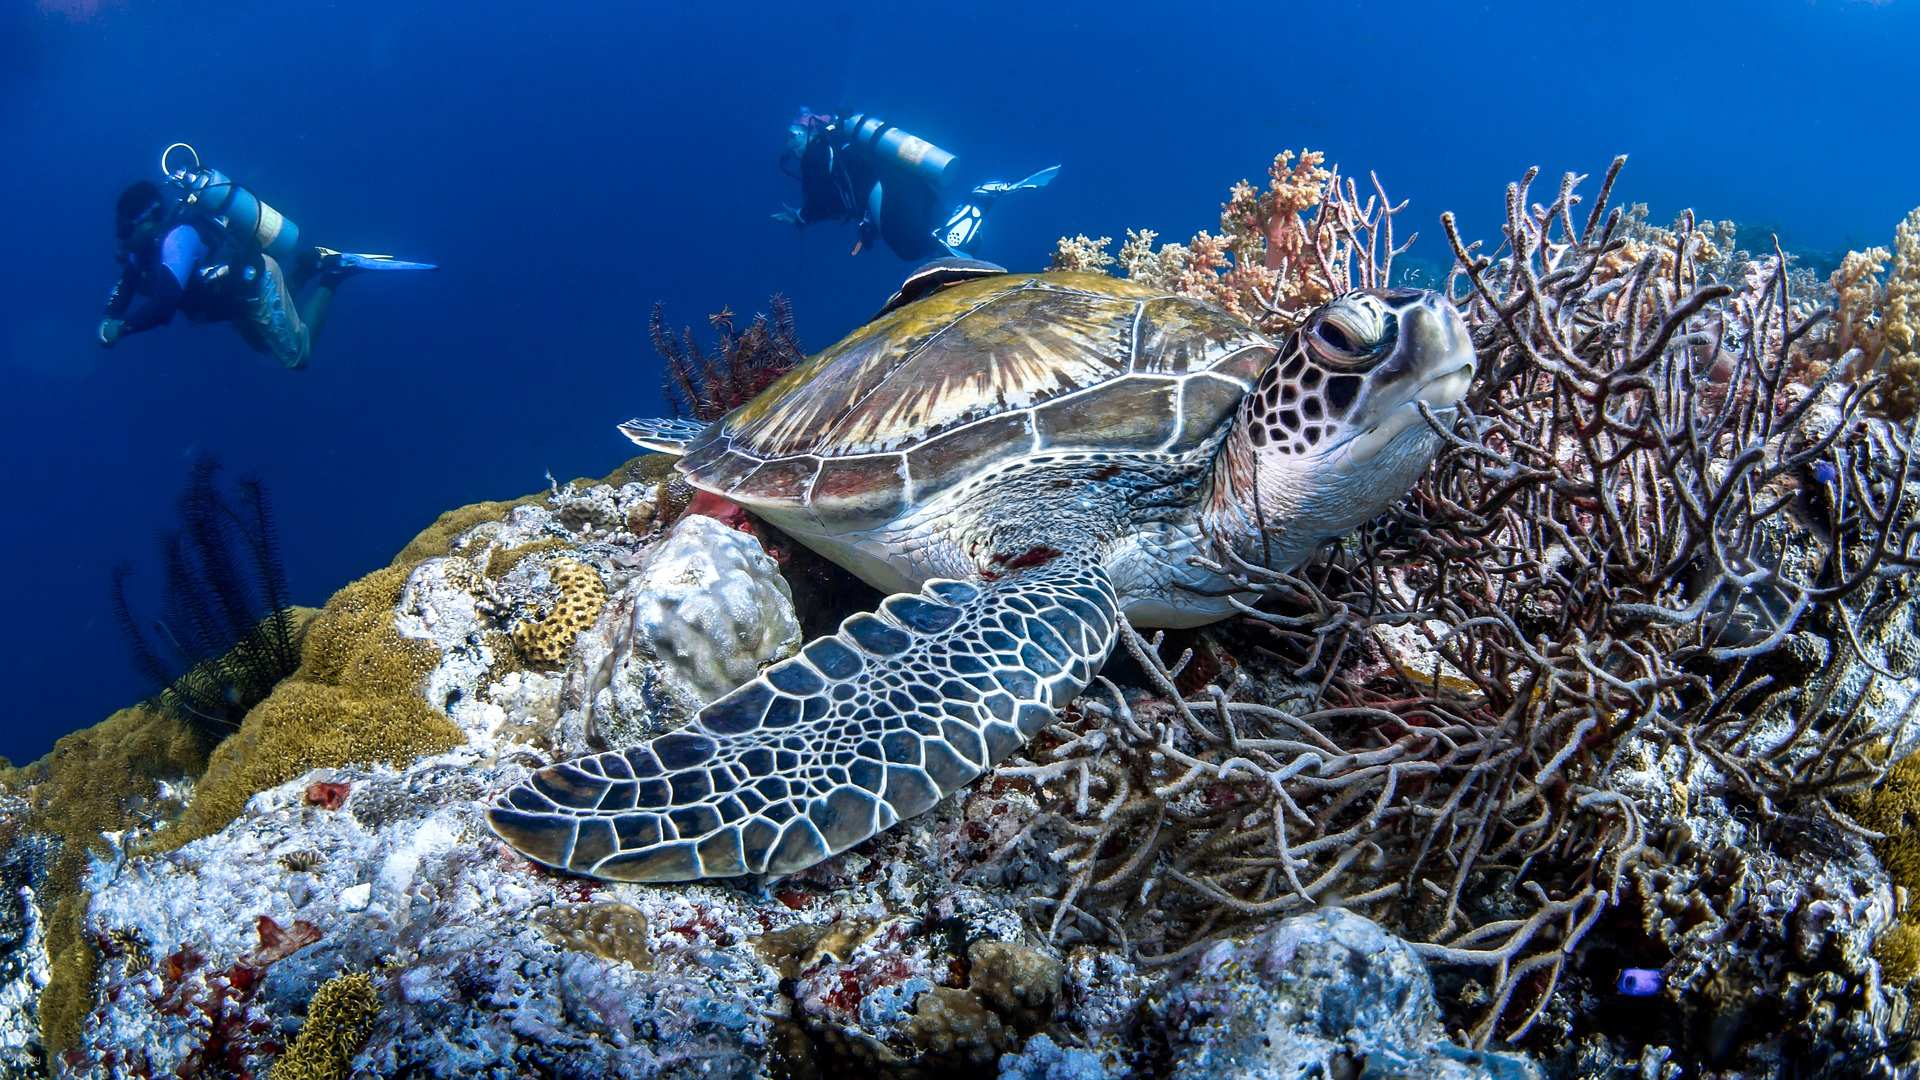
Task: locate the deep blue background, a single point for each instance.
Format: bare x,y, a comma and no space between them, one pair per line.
570,166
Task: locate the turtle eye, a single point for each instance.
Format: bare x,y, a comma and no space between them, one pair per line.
1341,343
1337,339
1351,333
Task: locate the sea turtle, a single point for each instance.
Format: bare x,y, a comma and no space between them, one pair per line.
1022,459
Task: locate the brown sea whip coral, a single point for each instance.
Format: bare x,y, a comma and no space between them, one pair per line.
1645,542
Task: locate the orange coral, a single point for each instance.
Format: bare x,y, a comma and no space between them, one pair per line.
1876,324
1278,254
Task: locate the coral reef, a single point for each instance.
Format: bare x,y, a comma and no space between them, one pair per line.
225,954
91,797
1587,760
707,385
354,699
1876,325
230,628
1326,994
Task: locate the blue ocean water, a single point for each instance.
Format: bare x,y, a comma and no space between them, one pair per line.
571,164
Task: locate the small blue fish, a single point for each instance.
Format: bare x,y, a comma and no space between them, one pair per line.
1639,982
1824,472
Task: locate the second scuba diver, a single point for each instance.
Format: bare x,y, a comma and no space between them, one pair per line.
861,168
201,245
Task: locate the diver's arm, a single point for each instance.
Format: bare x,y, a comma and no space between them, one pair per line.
180,255
123,291
113,317
154,306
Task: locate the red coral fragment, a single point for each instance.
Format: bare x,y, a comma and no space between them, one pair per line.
277,942
793,898
327,795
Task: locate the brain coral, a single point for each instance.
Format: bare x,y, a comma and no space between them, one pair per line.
550,638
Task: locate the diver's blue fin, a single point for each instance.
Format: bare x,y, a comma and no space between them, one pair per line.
345,262
1037,180
666,436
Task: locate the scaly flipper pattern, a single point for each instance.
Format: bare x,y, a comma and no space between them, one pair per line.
875,723
668,436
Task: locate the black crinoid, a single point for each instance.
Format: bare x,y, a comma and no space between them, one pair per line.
227,632
707,384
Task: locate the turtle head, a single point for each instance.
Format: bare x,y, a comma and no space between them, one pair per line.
1333,433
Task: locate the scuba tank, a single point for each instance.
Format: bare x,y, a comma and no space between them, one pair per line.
888,145
211,195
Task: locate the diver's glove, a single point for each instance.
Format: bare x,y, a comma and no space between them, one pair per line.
110,331
788,215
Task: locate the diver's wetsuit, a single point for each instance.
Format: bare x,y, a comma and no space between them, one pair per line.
844,178
193,270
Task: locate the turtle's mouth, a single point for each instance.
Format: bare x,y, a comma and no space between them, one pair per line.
1443,391
1440,393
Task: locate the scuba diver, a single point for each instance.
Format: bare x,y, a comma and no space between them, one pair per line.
861,168
201,245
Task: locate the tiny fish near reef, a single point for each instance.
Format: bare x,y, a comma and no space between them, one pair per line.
1023,460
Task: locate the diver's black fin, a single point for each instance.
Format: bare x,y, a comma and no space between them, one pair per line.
666,436
934,276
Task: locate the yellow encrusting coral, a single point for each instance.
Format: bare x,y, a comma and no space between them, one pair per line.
954,1026
501,562
436,538
610,931
1898,951
339,1019
1021,984
1893,810
549,639
354,700
90,784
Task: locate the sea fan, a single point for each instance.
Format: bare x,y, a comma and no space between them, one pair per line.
707,384
227,633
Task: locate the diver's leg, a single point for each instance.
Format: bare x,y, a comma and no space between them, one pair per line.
313,311
274,324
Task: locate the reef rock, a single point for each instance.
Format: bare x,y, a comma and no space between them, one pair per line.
707,611
1327,994
23,951
450,955
363,920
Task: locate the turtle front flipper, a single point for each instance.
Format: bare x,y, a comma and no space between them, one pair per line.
875,723
668,436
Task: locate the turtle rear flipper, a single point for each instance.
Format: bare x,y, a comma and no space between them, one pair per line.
867,726
666,436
